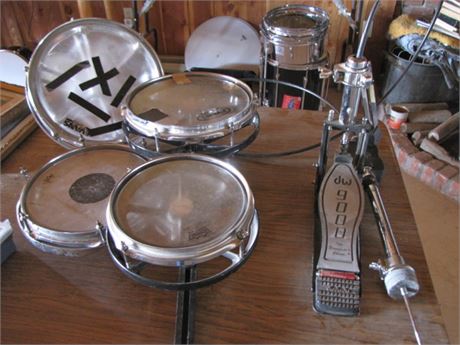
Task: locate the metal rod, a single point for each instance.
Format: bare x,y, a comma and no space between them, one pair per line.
386,232
305,81
277,77
365,33
185,308
411,317
322,161
294,86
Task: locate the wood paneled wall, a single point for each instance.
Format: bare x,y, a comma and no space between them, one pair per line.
24,23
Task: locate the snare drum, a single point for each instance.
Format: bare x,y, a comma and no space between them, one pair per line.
80,73
192,111
181,210
62,207
294,51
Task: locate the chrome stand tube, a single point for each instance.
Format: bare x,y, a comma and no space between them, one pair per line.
399,278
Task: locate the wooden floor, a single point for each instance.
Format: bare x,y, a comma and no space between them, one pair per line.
437,219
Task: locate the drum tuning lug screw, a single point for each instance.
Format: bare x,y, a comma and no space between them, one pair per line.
157,143
81,139
242,234
24,172
124,249
101,229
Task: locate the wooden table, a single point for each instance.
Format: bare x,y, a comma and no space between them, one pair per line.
53,299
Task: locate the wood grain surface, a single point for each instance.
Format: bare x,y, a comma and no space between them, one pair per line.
25,22
54,299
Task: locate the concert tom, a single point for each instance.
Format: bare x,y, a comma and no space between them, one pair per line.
179,211
293,51
61,209
192,111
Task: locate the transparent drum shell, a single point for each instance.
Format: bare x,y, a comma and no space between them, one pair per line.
82,65
61,209
293,36
198,208
190,107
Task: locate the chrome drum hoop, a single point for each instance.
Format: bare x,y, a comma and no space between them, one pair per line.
76,80
61,242
220,147
165,124
288,41
134,270
178,252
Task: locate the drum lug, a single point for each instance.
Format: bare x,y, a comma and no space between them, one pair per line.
325,72
102,230
232,131
242,234
157,144
24,173
124,250
124,111
23,217
56,137
82,139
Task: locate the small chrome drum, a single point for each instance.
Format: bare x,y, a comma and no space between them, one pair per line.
194,111
293,38
181,210
79,75
62,207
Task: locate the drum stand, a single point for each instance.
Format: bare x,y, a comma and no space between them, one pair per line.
188,280
152,147
320,66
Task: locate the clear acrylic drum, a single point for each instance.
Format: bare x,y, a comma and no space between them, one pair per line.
181,210
192,111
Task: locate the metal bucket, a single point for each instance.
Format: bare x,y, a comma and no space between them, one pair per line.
423,83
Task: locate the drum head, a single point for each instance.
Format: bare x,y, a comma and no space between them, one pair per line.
70,194
192,105
295,21
79,75
224,42
180,207
12,67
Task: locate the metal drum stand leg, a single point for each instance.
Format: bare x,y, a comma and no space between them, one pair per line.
185,308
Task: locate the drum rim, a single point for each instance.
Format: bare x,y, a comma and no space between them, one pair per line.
278,34
194,133
53,236
50,127
166,256
188,54
14,52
